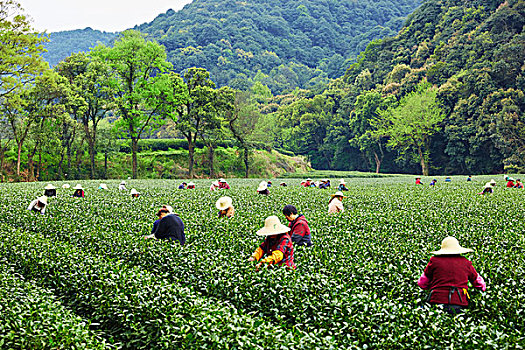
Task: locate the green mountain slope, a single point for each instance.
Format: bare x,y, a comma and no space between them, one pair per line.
291,42
473,52
62,44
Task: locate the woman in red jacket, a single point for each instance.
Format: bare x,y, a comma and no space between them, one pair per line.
447,276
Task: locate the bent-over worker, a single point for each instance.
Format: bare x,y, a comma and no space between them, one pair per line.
225,206
38,205
277,245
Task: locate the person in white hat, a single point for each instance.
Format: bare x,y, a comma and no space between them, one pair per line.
335,205
447,275
134,193
510,182
122,186
223,184
79,191
38,205
342,185
225,206
214,186
277,245
50,191
102,187
191,185
263,188
488,188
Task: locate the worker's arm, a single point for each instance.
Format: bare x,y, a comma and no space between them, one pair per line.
276,256
32,204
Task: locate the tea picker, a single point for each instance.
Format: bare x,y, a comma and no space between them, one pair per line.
335,205
299,229
38,205
447,275
50,191
277,245
225,206
169,227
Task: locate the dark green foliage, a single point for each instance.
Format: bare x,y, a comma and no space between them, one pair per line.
63,44
355,287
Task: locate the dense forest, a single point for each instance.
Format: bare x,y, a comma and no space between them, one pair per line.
443,96
282,43
467,57
63,44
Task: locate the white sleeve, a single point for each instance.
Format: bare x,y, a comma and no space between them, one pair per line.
32,204
43,209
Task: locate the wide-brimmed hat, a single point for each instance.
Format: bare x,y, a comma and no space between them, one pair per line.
510,179
262,186
103,186
492,182
78,187
272,226
342,182
42,199
224,203
123,183
215,183
170,209
65,186
49,187
134,191
308,179
488,185
449,246
339,194
191,183
222,180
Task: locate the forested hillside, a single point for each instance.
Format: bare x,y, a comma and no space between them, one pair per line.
63,44
282,43
466,58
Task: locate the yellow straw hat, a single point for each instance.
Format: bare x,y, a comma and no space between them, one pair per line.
339,194
449,246
42,200
262,186
224,203
272,226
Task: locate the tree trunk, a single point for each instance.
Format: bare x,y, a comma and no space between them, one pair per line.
92,159
191,152
106,164
246,162
211,160
134,151
378,162
18,160
424,165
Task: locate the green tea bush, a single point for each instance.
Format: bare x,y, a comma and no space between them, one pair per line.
355,287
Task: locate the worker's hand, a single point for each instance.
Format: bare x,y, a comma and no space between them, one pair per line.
251,258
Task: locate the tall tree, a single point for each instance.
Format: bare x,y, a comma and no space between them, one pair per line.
410,124
140,84
20,49
89,78
193,115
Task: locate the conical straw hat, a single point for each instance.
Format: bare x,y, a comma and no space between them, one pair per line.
134,191
339,193
78,187
449,246
65,186
43,200
224,203
262,186
49,187
272,226
103,186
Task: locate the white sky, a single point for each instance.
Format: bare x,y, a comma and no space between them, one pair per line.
105,15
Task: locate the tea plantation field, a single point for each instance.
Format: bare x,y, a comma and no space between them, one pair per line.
82,276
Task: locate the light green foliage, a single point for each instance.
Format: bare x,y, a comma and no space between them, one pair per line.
20,49
355,288
410,125
141,84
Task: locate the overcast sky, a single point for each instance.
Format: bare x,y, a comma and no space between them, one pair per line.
105,15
